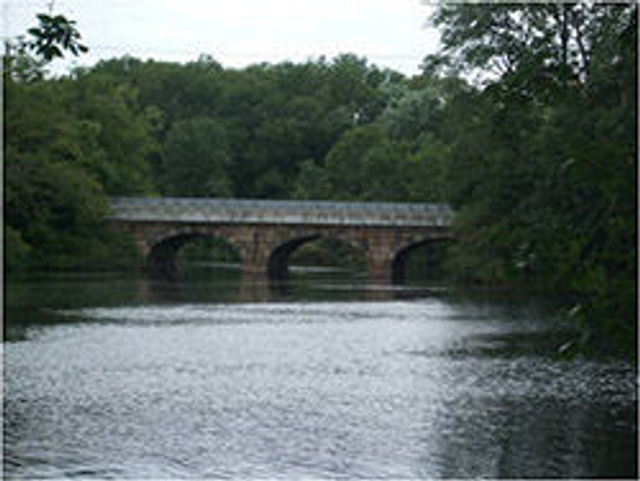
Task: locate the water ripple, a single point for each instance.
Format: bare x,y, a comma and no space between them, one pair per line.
401,389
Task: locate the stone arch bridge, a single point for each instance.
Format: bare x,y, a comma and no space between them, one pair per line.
265,232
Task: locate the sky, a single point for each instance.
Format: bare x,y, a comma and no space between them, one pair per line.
237,33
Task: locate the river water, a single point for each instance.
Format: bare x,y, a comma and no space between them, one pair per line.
322,376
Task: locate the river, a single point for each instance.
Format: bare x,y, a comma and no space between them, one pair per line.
321,376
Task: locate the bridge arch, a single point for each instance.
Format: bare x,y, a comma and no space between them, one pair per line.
269,252
259,254
401,257
280,256
163,250
278,262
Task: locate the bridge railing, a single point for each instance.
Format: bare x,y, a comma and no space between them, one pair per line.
180,209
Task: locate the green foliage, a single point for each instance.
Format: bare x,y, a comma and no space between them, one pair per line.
312,182
125,132
68,144
18,63
346,165
369,163
16,250
427,170
413,112
25,60
53,35
52,207
541,167
196,159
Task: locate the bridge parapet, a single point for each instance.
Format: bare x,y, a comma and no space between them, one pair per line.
249,211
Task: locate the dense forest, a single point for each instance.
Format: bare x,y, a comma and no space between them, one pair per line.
524,122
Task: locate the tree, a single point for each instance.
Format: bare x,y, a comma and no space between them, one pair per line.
533,48
196,159
53,210
367,164
59,162
50,39
53,35
345,162
312,182
541,171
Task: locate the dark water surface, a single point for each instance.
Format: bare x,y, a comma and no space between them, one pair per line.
322,377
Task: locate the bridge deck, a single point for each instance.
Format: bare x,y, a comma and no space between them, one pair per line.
247,211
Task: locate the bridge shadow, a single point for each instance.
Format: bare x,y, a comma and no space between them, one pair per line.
227,284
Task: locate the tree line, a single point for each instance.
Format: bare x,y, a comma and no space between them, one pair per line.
537,156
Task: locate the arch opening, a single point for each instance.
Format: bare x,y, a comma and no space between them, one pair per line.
316,255
278,264
192,255
422,262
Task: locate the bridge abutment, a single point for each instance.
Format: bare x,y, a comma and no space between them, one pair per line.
380,274
255,247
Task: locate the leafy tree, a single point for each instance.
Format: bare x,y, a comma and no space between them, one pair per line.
53,35
196,159
52,209
413,112
50,39
345,162
61,158
540,166
387,169
125,132
19,64
367,164
312,182
17,249
427,170
355,85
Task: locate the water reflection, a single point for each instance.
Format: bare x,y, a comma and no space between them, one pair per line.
325,376
24,298
521,433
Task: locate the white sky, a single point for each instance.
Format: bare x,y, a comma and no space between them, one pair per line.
390,33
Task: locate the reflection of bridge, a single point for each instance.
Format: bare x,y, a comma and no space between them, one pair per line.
266,232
